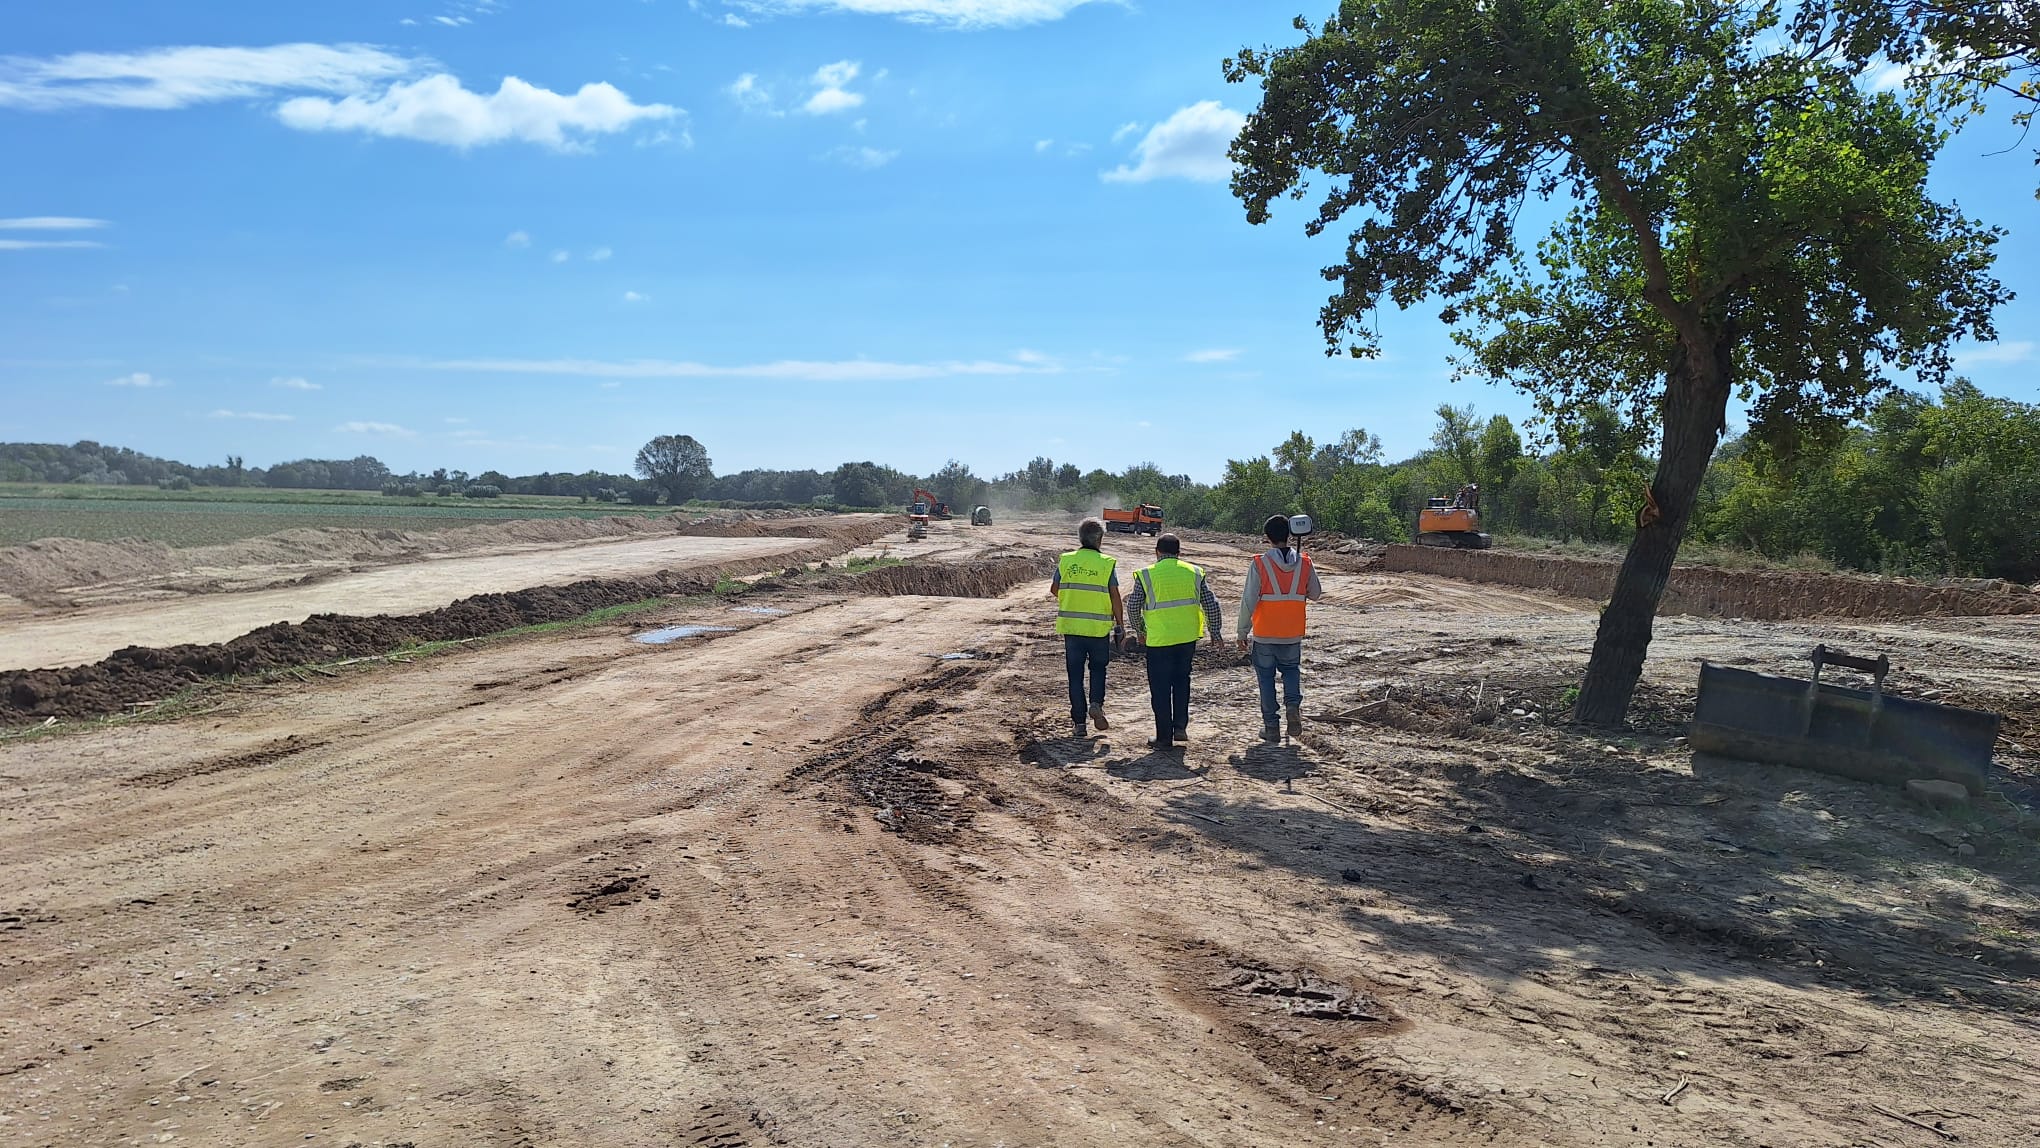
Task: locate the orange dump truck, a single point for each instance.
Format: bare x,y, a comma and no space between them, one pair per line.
1143,519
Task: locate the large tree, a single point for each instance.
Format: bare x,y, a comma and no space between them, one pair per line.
1734,215
676,464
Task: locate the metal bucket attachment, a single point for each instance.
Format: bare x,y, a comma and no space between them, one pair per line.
1864,734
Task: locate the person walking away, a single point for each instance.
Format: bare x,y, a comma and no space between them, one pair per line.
1170,607
1271,624
1091,617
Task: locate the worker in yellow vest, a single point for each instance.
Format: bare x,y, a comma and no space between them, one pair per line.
1091,617
1279,584
1170,607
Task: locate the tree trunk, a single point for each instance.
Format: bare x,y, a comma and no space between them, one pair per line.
1695,405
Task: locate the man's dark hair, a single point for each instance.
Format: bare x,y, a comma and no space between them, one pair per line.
1277,529
1091,533
1168,546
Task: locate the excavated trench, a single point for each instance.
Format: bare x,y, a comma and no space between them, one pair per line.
1759,595
140,674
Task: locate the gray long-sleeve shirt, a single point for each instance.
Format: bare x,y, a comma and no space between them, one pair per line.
1136,605
1286,561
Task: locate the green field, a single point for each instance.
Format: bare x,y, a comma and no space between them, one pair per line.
205,516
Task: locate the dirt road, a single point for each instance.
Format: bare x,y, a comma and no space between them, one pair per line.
820,881
89,634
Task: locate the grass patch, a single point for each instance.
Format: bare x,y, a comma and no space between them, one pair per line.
860,565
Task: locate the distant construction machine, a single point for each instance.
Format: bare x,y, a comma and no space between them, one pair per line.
1143,519
936,507
917,518
982,516
1453,522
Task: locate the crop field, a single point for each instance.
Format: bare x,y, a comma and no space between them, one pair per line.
199,518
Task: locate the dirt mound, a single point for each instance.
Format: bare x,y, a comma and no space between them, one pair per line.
142,674
987,578
42,571
1767,596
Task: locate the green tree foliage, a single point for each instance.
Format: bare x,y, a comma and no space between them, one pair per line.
955,484
677,465
1917,488
1743,216
859,484
1955,53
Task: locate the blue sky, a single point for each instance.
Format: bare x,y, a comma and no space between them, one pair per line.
528,236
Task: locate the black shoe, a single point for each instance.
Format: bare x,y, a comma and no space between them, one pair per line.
1080,731
1161,745
1182,733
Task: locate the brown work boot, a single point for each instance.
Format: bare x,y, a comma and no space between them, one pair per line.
1098,718
1295,721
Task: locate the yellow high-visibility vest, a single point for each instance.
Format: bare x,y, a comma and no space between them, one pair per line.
1173,613
1083,593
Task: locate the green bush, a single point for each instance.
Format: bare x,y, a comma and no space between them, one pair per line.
482,490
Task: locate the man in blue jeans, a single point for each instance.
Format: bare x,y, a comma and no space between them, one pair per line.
1279,584
1171,607
1091,619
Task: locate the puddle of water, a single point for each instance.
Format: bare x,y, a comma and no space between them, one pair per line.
675,633
756,610
959,657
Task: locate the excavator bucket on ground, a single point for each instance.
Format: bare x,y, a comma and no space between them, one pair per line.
1863,734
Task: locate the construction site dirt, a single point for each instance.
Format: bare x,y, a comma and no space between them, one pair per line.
837,875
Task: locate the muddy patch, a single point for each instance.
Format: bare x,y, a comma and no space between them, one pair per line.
268,754
1304,992
614,890
668,634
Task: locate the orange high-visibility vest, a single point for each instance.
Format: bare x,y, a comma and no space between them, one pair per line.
1278,611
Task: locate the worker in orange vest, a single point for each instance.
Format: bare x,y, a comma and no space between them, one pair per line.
1271,625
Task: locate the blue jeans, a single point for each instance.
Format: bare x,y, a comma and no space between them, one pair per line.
1286,657
1079,652
1168,670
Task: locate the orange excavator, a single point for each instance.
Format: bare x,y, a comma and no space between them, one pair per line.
936,507
1453,521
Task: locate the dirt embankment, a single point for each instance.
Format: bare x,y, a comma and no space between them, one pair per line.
1757,595
142,674
42,571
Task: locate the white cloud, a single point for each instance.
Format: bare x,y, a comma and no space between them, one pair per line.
788,370
437,109
451,21
162,78
1042,146
950,13
735,21
294,383
1190,144
138,379
259,416
1124,130
831,82
51,223
749,93
633,297
600,254
1995,353
868,158
390,429
561,256
34,244
519,238
1213,355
